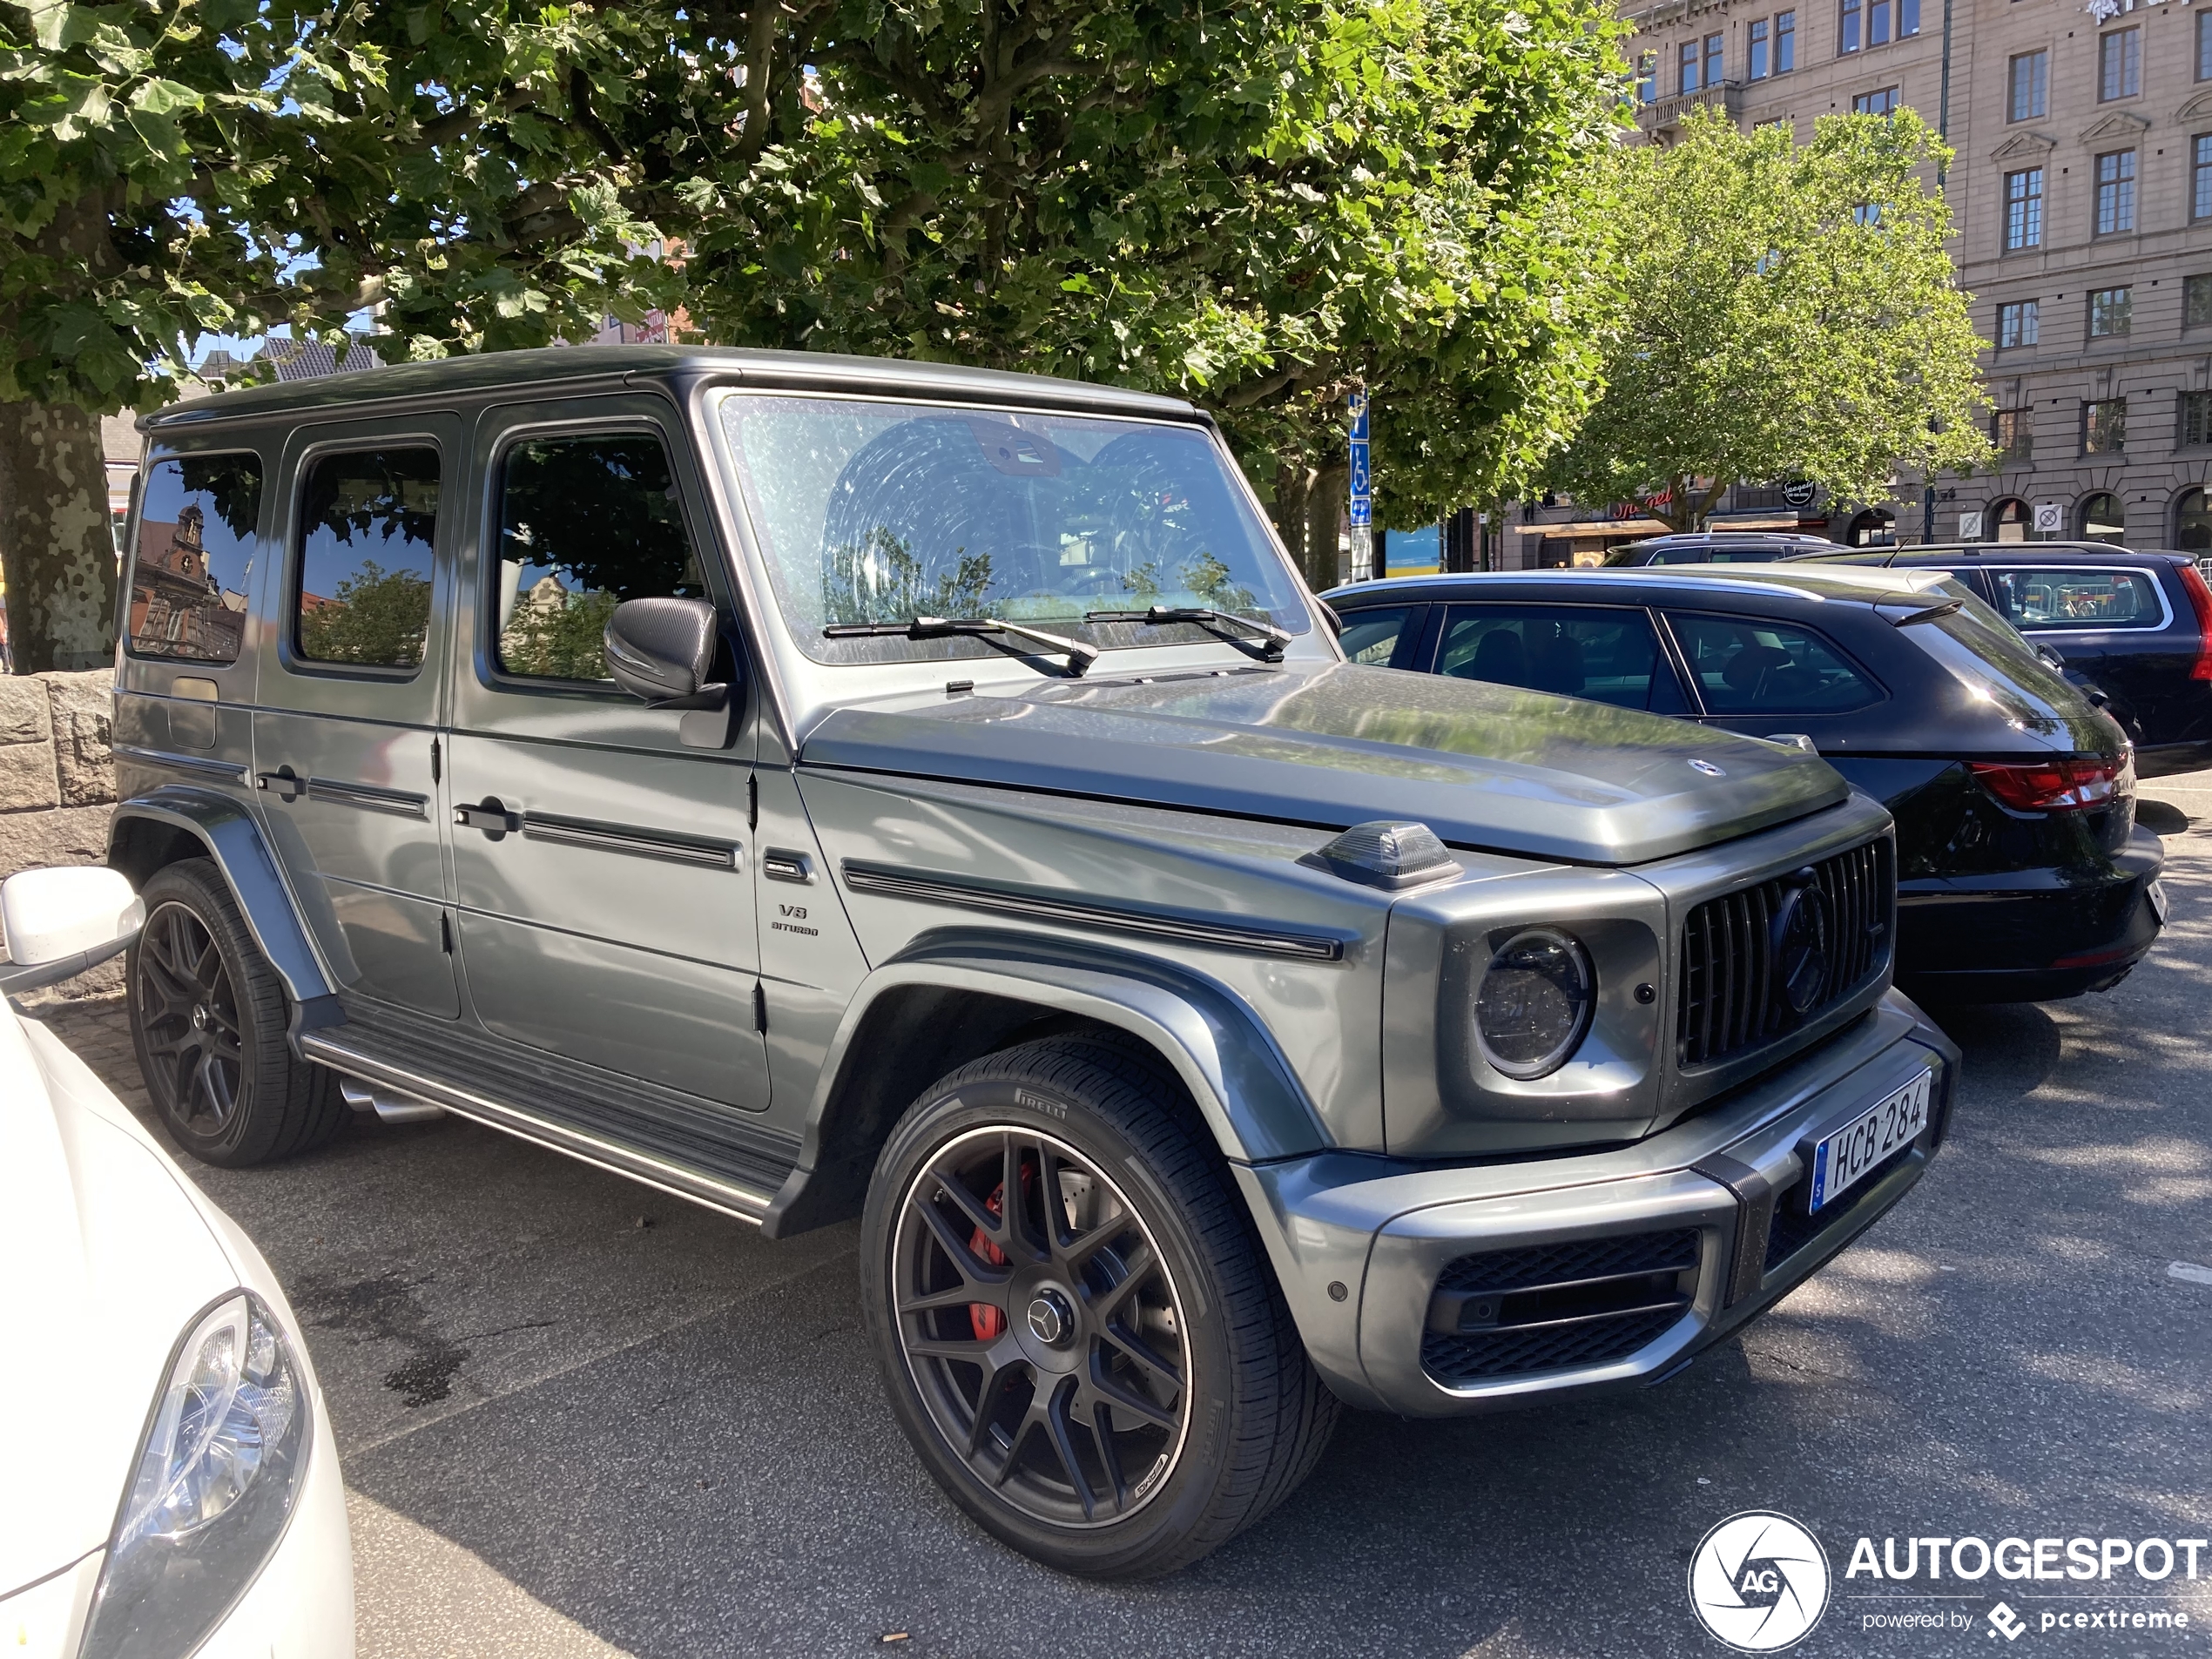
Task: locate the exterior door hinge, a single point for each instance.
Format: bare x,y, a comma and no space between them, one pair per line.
759,1007
445,932
435,769
752,800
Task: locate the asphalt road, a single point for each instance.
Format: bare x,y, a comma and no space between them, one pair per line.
578,1418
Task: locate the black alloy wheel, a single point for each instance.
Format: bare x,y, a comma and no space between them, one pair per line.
1074,1319
209,1019
192,1047
1041,1327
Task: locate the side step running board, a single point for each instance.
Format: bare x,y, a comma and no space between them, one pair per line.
380,1080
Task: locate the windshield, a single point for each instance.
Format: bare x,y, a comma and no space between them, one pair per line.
877,512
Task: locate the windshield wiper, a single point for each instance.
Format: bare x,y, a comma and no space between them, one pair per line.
1275,639
1080,657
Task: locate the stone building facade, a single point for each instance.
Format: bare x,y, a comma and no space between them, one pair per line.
2082,195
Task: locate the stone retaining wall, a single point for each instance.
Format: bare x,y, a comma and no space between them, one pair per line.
57,772
56,786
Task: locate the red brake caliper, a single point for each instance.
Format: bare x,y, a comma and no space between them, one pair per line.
989,1322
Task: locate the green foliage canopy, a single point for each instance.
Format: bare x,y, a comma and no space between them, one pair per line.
1257,206
1791,312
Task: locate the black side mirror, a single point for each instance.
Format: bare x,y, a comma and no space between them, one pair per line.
662,652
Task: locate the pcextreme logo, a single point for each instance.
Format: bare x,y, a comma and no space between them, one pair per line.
1759,1582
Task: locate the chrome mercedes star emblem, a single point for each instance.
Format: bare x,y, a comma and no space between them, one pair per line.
1049,1320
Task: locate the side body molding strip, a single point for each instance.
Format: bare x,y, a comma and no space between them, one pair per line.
233,841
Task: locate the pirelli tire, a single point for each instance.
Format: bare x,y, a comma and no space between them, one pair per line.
1076,1324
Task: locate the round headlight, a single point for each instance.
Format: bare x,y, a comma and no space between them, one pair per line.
1533,1004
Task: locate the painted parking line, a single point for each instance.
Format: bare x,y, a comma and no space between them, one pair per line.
2190,1272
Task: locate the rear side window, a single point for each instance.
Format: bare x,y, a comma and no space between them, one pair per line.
1744,666
1372,635
1606,654
367,522
585,523
2091,598
199,526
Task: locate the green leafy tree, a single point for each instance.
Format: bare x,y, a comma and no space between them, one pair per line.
1258,205
1791,312
377,616
171,166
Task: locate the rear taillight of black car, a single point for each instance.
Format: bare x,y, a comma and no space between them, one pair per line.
2066,786
2200,593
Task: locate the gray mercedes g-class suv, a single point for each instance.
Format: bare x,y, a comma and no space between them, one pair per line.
823,788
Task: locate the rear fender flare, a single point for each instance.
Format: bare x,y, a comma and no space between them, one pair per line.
229,836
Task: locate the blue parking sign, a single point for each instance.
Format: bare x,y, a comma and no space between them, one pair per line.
1363,500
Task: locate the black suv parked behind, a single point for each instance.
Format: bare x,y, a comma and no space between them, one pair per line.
2134,629
2022,875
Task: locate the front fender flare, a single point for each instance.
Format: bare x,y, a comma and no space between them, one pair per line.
231,838
1251,1100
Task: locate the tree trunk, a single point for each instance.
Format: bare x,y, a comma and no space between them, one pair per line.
56,548
1293,485
1323,508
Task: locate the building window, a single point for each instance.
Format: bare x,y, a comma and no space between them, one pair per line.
2120,64
2200,175
2115,192
2196,301
2024,209
1848,28
2018,324
2102,521
2110,313
1713,76
2193,519
1908,18
1785,42
1755,66
1648,78
2204,46
1689,81
2192,421
1868,213
2010,431
1881,103
1877,22
2104,427
2031,86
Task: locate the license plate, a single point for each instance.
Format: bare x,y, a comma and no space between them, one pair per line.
2158,907
1842,1157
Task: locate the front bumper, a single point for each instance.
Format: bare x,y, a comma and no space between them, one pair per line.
1704,1212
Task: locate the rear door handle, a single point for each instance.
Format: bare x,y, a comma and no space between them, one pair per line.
489,816
285,784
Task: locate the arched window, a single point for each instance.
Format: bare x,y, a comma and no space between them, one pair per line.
2008,520
1872,527
2193,522
2102,520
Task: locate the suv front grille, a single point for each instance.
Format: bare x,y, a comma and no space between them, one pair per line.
1553,1307
1731,999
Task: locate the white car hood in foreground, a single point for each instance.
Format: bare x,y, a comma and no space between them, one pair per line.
104,1256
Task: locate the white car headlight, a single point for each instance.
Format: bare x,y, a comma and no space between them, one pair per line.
218,1478
1534,1005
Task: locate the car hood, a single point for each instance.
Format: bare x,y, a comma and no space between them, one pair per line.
1486,766
107,1259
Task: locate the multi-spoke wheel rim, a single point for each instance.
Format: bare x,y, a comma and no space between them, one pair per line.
1047,1340
188,1015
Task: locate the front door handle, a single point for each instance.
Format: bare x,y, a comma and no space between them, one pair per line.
489,816
285,784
